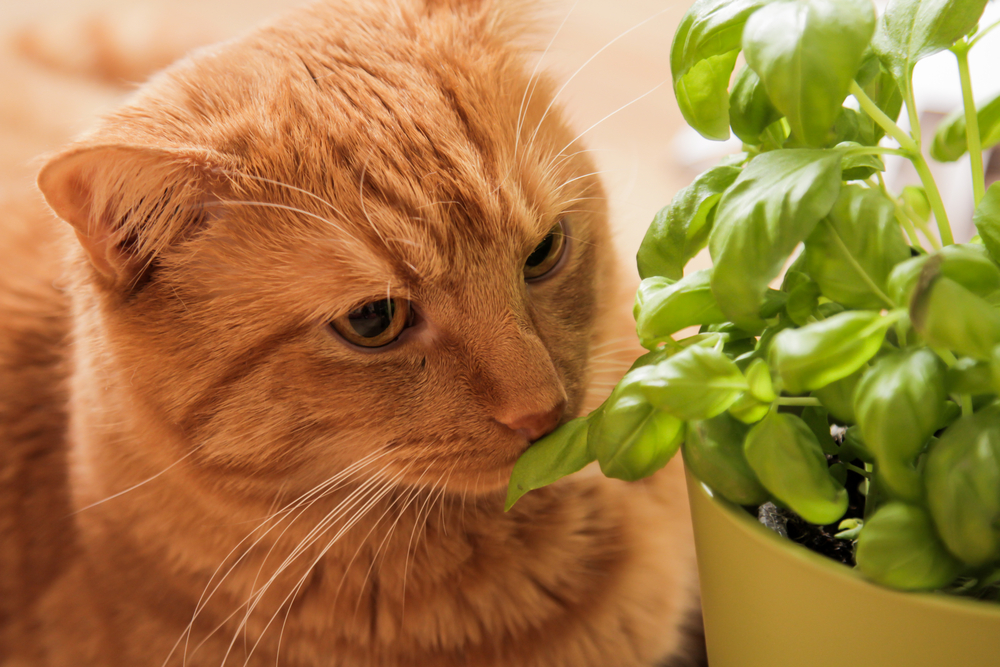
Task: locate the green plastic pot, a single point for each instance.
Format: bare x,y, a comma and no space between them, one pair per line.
769,602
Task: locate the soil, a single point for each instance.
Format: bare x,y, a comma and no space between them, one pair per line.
817,538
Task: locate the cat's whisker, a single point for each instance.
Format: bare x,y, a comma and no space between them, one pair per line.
317,491
619,109
581,177
529,90
409,543
261,179
284,207
256,596
581,67
135,486
387,487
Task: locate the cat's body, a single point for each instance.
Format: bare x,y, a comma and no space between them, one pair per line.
193,465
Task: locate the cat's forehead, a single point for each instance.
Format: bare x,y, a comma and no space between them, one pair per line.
437,148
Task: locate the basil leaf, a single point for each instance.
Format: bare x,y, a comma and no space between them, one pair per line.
863,225
967,264
702,56
947,315
680,230
838,397
899,403
630,437
807,53
697,383
950,142
666,309
910,30
750,109
962,474
790,463
713,450
772,206
898,547
858,167
558,454
823,352
987,220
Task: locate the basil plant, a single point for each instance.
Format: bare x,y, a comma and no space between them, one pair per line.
882,325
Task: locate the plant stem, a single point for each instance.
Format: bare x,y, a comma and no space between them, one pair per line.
806,401
886,123
875,150
856,266
909,228
861,471
934,197
965,402
982,33
961,51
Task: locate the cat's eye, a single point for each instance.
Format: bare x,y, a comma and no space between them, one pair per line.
546,254
375,323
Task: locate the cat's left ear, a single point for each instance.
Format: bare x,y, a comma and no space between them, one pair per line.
127,203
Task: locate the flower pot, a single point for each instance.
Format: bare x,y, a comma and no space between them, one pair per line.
768,602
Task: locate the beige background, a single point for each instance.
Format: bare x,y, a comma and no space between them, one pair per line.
632,146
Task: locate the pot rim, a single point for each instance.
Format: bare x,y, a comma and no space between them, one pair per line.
849,577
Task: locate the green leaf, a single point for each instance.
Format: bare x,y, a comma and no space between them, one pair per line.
680,230
749,409
858,167
666,309
697,383
910,30
969,376
713,450
838,397
560,453
818,421
884,92
899,403
962,475
862,225
817,354
802,301
947,315
758,376
750,109
702,56
807,53
967,264
772,206
630,437
898,547
915,197
950,142
987,220
790,463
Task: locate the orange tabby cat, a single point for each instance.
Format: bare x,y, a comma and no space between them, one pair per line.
328,282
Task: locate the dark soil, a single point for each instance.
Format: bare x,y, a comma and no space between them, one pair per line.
817,538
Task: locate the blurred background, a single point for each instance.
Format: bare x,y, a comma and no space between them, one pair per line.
613,57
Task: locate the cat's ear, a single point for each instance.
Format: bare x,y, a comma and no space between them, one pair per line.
127,203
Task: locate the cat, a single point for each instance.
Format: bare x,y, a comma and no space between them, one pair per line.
260,398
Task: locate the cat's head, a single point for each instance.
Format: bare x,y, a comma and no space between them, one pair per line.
362,234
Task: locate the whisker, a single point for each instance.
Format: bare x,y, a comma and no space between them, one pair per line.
588,61
326,203
135,486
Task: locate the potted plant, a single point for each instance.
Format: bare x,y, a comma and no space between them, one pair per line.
861,396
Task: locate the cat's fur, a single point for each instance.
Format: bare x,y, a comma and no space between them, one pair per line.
177,353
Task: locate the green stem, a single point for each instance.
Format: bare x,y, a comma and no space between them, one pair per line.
874,150
861,471
965,402
886,123
921,225
934,197
961,51
908,227
982,33
807,401
857,267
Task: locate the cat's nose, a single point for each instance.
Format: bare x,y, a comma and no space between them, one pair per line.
534,425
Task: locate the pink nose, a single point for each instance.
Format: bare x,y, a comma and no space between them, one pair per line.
533,426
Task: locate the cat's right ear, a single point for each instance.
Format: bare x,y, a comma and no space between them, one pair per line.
127,203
